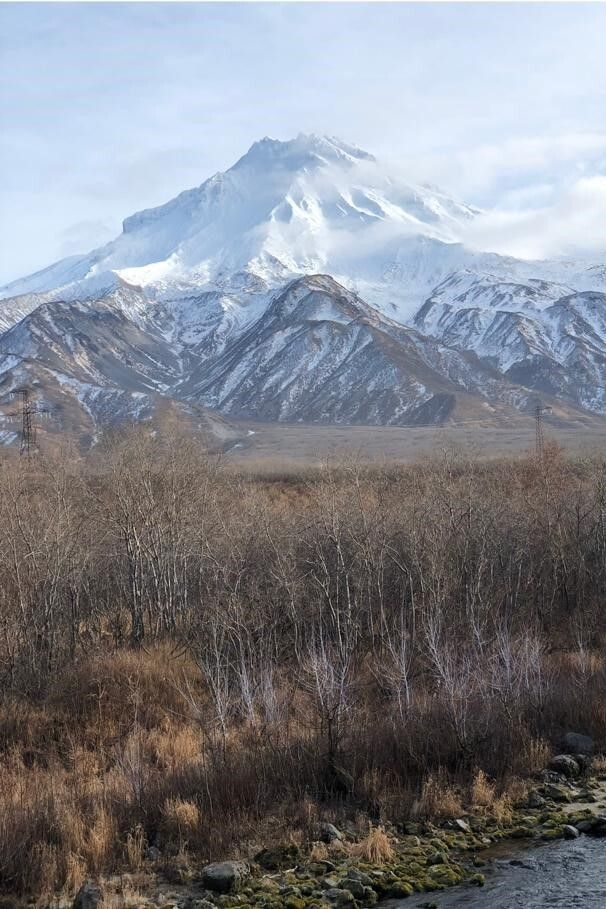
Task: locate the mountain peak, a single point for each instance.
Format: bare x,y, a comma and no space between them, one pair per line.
303,151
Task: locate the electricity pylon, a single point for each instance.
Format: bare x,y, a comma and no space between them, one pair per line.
27,413
540,437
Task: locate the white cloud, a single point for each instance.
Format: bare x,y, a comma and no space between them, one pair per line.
487,173
85,235
574,223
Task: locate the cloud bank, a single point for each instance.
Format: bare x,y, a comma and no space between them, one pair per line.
574,224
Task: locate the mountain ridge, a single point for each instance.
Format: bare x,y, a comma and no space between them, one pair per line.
279,290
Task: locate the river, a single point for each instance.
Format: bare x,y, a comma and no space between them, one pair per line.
566,874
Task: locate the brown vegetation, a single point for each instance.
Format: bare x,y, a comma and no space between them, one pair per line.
190,659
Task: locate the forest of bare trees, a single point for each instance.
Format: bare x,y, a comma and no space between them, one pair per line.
186,651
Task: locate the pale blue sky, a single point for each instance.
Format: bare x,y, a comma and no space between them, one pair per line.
109,108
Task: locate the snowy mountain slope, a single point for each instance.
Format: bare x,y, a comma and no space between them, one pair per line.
539,334
88,365
316,352
214,299
320,354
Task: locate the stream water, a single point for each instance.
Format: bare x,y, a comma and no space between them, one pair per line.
566,874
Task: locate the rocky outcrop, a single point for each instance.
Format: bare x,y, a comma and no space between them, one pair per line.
224,877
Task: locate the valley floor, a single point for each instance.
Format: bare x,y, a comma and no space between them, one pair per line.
288,446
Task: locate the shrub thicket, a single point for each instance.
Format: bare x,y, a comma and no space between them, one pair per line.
186,653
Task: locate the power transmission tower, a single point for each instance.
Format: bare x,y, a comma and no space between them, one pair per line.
27,412
540,436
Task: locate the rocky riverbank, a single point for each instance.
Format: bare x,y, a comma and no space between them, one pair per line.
341,869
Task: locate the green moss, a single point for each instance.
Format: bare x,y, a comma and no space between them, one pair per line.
520,833
447,875
400,889
554,833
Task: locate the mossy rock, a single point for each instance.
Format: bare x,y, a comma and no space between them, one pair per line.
436,842
317,868
417,851
411,841
414,868
264,884
528,820
447,875
477,880
521,833
555,833
400,889
429,884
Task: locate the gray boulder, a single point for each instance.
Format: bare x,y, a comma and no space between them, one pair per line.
225,877
556,793
328,833
599,827
339,897
550,776
570,832
592,826
566,765
577,743
535,800
584,761
89,896
354,874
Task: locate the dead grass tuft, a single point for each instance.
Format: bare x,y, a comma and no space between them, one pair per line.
318,852
375,847
439,799
482,790
181,819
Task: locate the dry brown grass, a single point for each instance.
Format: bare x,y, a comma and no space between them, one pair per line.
516,790
536,755
482,793
439,799
599,765
181,819
176,747
135,847
375,847
318,852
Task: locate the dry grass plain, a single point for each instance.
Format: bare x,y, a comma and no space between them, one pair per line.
292,446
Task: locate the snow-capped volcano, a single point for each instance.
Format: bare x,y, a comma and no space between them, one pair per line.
312,204
280,289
